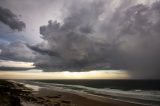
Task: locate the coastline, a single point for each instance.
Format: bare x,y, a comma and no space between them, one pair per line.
86,99
34,95
81,98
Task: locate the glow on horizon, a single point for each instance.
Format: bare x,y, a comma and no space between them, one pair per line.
100,74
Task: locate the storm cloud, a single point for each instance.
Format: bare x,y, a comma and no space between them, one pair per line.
97,34
87,35
11,20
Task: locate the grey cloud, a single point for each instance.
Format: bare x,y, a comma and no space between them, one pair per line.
17,51
10,19
127,38
72,41
139,39
43,51
14,69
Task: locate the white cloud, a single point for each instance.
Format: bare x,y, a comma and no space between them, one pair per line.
34,70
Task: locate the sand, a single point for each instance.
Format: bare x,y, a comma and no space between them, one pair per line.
82,99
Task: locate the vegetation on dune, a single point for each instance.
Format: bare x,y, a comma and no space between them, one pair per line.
13,94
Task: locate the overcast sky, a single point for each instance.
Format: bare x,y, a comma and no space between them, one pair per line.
81,35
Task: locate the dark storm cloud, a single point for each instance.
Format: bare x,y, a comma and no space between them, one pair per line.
140,38
43,51
90,37
10,19
71,46
14,68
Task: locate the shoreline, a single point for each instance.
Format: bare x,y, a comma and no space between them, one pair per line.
30,94
101,100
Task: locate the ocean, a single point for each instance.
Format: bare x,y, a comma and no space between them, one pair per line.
136,91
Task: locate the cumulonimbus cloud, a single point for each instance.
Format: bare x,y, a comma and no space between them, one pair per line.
94,34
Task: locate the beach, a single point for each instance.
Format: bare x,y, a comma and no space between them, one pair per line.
83,99
33,95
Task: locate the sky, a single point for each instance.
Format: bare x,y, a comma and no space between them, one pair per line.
79,39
